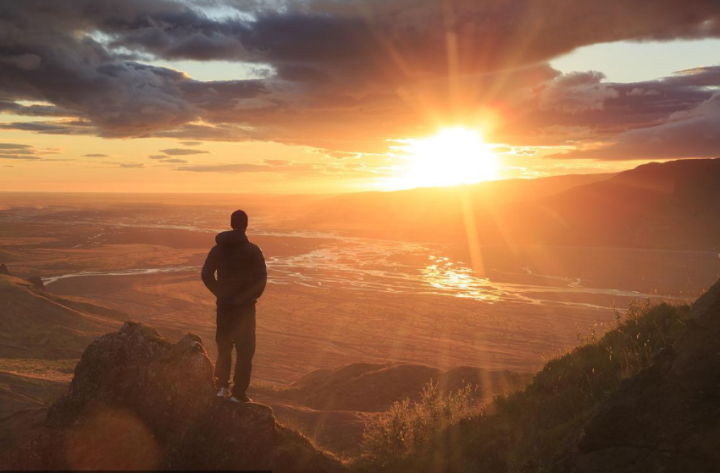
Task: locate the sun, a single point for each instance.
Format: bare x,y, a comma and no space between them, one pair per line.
452,156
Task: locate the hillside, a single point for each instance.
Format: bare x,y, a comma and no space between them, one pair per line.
41,337
642,398
672,205
37,324
333,406
430,213
369,387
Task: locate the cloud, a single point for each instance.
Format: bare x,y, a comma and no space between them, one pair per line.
63,127
132,165
14,146
157,156
95,155
19,157
34,110
25,62
183,152
17,151
577,92
191,143
289,168
581,110
276,162
691,134
238,168
383,74
175,161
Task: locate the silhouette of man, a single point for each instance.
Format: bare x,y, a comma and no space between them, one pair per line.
241,280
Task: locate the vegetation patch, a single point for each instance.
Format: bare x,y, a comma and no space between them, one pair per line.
529,430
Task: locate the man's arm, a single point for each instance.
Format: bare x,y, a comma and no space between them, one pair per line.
260,273
208,271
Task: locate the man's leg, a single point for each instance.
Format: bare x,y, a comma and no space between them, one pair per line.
224,341
244,338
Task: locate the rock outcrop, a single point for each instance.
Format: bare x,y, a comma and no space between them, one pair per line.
138,401
667,418
4,269
36,281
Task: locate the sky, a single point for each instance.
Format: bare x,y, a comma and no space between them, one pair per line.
306,96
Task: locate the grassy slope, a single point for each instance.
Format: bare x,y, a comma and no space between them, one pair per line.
38,325
370,387
530,430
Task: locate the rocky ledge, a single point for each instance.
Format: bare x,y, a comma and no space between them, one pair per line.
138,401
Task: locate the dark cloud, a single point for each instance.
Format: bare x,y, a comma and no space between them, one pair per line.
191,143
35,110
157,156
175,161
22,152
13,146
581,109
691,134
577,92
183,152
75,127
209,132
132,165
95,155
348,75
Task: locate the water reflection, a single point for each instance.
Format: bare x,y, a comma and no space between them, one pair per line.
458,281
381,266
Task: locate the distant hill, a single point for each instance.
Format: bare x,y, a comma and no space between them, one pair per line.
430,213
37,324
672,205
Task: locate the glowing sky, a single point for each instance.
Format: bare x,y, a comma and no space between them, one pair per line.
314,96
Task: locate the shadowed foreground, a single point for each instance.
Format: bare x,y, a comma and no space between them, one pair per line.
139,402
644,398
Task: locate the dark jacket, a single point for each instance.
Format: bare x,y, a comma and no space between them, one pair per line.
241,271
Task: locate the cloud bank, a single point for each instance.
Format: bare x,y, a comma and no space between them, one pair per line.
345,76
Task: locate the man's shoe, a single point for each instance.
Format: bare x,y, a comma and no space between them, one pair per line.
223,392
241,399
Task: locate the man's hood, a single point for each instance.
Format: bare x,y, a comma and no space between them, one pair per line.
230,238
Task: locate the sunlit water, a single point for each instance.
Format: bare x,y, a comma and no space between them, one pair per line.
363,264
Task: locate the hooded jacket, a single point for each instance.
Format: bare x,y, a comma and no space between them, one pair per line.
240,267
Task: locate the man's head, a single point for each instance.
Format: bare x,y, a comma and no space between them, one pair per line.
239,220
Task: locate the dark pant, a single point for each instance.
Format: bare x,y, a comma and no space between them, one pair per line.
235,328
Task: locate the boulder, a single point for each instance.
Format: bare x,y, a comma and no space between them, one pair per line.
4,269
36,281
666,418
138,401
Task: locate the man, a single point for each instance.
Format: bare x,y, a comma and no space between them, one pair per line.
241,280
